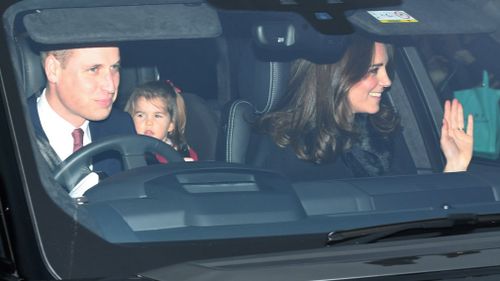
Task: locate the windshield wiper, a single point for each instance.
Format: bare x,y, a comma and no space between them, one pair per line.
451,225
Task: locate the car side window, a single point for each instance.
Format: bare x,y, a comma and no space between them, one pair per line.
465,67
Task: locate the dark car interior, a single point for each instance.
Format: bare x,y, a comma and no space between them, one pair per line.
228,79
232,67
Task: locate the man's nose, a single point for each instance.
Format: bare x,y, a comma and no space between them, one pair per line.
110,81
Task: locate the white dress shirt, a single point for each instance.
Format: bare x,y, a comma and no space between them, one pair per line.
58,130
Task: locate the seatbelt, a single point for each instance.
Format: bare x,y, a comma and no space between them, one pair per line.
48,153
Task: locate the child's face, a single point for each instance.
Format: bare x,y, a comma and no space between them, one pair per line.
151,119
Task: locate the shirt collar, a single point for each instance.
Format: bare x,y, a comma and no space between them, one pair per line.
58,123
58,130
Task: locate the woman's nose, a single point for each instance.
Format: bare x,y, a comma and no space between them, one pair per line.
384,79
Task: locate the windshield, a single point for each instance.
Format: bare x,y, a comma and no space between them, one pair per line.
205,130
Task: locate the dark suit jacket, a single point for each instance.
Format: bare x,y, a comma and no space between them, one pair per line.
118,123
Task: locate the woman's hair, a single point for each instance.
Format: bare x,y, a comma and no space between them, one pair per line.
315,117
173,103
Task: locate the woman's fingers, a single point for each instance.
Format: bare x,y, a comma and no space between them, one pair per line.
444,129
447,111
456,143
460,113
454,114
470,125
453,120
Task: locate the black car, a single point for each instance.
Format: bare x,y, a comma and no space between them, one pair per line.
222,218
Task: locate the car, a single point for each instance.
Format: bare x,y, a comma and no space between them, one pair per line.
223,218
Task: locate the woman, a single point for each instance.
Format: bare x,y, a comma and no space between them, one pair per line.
332,124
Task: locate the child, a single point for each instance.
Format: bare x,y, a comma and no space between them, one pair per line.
158,110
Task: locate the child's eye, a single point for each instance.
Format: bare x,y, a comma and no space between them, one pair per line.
158,116
139,115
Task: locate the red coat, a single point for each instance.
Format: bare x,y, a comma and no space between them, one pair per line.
192,154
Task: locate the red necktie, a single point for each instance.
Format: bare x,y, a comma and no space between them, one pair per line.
77,139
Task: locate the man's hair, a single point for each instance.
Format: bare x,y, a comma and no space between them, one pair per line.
61,55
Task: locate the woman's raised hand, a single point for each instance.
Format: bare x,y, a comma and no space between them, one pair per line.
456,141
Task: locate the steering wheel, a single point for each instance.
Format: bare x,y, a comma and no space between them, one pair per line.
132,149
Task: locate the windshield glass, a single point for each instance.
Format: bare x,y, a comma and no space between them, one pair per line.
223,132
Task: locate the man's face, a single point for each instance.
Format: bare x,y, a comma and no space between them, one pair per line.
85,85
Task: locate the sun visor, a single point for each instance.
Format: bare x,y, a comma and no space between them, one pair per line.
423,17
124,23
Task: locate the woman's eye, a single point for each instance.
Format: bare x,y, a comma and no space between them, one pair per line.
373,70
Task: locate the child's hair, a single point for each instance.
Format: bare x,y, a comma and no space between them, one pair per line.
175,107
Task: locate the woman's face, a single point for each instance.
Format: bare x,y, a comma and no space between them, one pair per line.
365,95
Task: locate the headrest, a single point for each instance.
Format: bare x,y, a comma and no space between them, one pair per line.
130,77
31,72
291,37
265,66
261,82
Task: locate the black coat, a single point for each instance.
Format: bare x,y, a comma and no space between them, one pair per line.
370,155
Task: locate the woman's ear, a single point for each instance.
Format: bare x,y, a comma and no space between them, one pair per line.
52,68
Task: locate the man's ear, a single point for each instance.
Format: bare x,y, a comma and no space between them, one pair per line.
52,68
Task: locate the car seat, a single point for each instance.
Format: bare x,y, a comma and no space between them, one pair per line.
261,83
31,73
139,66
263,73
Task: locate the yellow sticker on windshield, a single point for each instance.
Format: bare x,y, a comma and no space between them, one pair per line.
392,16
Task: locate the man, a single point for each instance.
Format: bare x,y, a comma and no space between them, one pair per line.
82,84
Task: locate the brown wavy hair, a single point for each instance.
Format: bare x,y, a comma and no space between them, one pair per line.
315,117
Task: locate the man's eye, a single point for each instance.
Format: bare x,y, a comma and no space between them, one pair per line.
93,69
116,67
